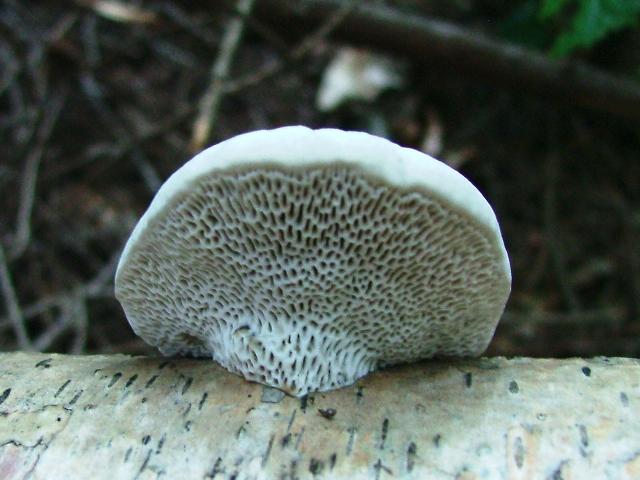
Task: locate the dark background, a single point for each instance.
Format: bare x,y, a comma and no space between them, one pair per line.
97,108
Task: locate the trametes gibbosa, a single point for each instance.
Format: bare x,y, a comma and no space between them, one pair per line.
304,259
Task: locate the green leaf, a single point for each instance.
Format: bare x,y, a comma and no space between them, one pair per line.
551,8
592,22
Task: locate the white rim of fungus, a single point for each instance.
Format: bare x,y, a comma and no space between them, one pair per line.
299,146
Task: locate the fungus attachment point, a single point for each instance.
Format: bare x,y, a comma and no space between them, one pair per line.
303,259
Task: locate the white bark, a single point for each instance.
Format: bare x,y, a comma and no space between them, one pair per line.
126,417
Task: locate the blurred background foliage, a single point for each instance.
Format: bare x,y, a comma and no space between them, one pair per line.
100,99
563,27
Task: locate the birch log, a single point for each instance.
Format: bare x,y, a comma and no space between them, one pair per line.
133,417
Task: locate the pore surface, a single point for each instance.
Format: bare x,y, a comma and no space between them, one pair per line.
307,280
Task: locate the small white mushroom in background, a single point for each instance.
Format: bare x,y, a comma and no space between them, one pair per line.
304,259
355,74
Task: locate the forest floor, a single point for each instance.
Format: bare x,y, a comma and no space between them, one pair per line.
98,105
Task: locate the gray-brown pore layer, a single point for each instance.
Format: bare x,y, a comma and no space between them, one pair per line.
134,417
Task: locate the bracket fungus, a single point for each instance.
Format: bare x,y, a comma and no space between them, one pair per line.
304,259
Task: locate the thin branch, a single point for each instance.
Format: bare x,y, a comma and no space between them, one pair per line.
146,169
438,43
11,304
53,332
125,145
98,287
210,102
299,52
81,325
29,178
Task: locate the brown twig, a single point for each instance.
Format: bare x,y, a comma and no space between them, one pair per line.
71,303
28,187
81,325
443,44
210,102
299,52
124,146
12,305
145,168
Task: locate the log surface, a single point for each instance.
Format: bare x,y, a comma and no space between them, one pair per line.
133,417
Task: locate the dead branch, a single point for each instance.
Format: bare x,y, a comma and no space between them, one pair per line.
70,303
480,418
219,72
299,52
11,303
30,176
440,43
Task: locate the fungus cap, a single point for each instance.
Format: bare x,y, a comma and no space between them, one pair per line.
303,259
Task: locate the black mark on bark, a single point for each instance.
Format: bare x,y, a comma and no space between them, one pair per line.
60,390
217,468
293,417
187,385
327,413
114,379
293,468
5,395
265,458
379,468
150,381
76,397
202,400
131,380
557,473
518,454
144,464
385,430
624,399
46,363
315,466
160,444
411,456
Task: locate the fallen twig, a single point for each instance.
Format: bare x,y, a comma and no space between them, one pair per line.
124,146
11,304
146,169
219,72
300,51
28,186
436,42
71,303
